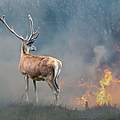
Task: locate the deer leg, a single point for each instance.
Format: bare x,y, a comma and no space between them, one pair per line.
56,98
56,84
51,86
35,88
57,87
27,88
55,91
55,81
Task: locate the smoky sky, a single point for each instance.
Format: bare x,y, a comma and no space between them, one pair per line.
81,33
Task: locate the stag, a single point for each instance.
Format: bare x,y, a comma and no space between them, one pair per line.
36,67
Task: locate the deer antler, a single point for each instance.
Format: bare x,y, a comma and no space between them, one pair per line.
34,34
30,39
2,19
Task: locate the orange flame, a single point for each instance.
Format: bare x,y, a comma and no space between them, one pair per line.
102,97
107,93
80,101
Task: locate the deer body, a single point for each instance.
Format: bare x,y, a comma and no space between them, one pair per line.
38,67
35,67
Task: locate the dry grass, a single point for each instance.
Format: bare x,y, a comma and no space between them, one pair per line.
51,112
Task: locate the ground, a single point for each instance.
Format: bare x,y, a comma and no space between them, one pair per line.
51,112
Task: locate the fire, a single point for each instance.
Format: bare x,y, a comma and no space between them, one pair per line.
80,101
107,78
102,96
105,94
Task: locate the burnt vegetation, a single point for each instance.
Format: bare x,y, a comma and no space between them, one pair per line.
51,112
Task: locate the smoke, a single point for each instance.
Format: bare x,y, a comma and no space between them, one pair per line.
79,33
9,77
100,54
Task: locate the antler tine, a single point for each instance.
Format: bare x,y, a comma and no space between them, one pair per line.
2,19
31,23
34,34
31,27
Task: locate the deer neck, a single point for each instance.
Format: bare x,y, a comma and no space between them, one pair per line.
24,50
23,54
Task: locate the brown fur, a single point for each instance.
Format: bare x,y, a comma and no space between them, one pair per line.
37,67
